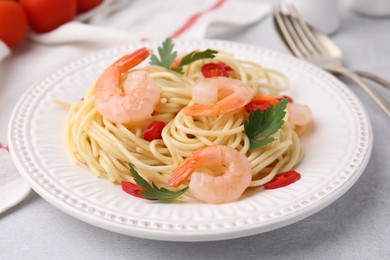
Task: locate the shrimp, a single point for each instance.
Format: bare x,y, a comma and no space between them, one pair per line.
135,100
299,114
219,174
205,93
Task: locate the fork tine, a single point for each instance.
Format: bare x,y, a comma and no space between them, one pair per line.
281,25
301,35
305,30
294,33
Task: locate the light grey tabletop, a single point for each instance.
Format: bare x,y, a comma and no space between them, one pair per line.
356,226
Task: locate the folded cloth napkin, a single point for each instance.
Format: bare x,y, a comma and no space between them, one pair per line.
4,51
114,22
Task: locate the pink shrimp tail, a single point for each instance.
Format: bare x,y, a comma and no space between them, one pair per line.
126,99
131,60
111,76
228,104
201,110
182,172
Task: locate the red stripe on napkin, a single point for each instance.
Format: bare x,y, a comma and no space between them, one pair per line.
4,147
195,17
145,39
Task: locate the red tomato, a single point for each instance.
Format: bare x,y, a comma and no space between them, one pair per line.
13,23
46,15
153,131
132,189
86,5
282,180
210,70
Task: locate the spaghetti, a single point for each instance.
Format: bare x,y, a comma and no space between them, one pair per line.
107,148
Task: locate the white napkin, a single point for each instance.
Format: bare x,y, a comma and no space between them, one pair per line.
13,189
194,19
4,50
114,22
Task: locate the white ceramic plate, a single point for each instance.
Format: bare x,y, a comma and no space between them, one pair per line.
337,151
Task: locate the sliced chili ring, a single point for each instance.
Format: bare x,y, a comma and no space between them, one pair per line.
132,189
154,130
226,67
290,100
257,104
210,70
282,180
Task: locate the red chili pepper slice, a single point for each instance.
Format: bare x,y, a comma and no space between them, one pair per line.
132,189
262,102
153,131
282,180
257,104
210,70
226,67
290,100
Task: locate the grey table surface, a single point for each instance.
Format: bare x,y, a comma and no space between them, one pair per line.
356,226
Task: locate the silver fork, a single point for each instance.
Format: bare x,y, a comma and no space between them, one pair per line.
310,45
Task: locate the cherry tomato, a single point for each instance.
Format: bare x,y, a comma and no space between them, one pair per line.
153,131
13,23
46,15
210,70
282,180
86,5
132,189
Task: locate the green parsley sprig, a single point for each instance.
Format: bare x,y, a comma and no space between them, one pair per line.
261,124
168,55
152,191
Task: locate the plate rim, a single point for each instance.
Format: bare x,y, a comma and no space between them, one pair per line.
189,235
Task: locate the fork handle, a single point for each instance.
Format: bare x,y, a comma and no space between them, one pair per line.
373,77
367,75
381,102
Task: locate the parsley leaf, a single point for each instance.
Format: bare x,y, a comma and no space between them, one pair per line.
194,56
167,56
152,191
166,53
264,123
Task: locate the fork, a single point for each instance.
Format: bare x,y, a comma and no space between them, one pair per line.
308,44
